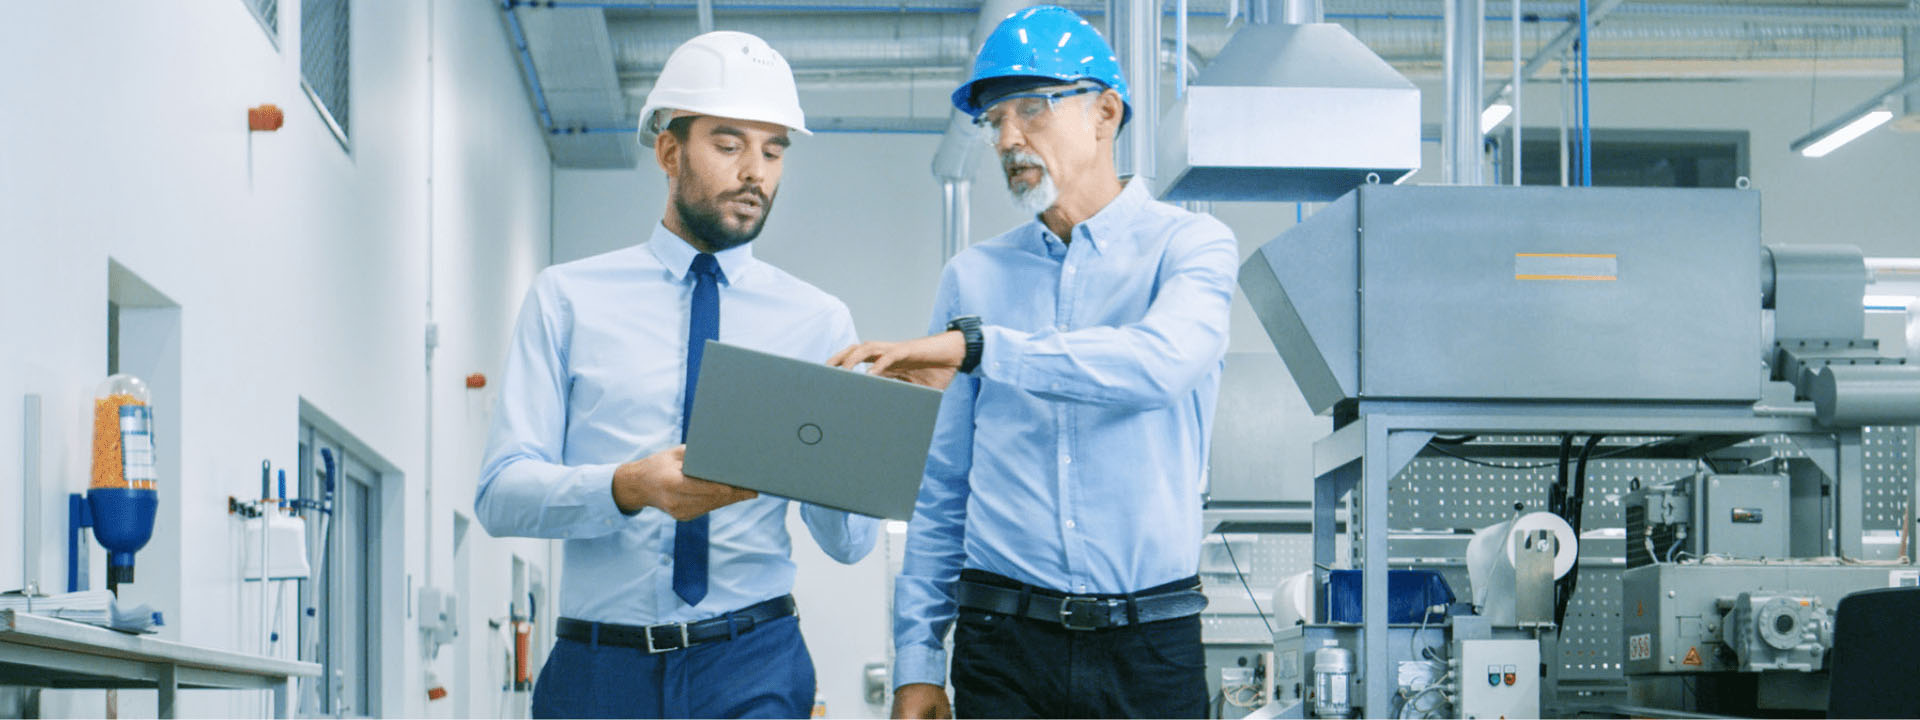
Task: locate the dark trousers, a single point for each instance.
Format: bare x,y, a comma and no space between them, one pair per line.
1016,667
763,673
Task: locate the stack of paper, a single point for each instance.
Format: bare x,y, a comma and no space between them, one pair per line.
93,607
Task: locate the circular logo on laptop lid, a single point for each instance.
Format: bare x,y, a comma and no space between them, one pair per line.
810,434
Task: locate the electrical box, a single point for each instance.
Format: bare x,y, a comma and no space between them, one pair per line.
1497,678
1737,516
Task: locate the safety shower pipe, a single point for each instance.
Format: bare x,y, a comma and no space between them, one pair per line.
1463,65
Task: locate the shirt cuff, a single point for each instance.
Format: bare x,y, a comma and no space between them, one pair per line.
999,355
919,664
600,503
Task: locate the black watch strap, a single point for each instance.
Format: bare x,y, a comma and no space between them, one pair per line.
969,327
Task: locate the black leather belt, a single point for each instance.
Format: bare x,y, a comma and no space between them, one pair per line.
1081,612
675,636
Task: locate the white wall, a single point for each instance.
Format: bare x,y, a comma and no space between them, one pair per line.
300,270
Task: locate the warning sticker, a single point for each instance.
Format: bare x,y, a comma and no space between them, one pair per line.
1693,657
1640,647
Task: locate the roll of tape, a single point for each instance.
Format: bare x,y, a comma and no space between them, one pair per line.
1563,535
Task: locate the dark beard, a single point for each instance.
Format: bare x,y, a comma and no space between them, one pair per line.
704,222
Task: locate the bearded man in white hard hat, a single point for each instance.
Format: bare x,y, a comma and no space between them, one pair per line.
675,598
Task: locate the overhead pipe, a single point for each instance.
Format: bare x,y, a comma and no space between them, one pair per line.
893,43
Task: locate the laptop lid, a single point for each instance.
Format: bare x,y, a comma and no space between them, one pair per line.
805,431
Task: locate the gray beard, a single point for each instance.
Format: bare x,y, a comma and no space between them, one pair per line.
1038,197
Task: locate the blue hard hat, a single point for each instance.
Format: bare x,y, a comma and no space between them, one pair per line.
1047,45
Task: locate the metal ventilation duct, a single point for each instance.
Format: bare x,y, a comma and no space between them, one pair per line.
1290,113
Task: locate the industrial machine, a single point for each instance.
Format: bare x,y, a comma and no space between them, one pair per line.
1639,443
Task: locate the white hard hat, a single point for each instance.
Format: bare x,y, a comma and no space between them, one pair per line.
723,74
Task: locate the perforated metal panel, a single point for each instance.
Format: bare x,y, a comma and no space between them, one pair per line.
1445,493
1889,476
1590,645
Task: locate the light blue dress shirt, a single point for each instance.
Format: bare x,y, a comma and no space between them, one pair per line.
593,379
1074,456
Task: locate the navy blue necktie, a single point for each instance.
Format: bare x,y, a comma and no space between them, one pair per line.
690,537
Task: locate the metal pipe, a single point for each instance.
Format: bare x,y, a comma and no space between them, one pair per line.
1519,88
1180,49
1301,12
705,10
1563,123
1134,26
955,216
1464,64
1910,64
1586,98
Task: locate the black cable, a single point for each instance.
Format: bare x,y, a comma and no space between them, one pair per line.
1557,496
1617,452
1577,504
1228,544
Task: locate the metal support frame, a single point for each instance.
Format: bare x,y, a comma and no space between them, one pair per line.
1465,64
1364,456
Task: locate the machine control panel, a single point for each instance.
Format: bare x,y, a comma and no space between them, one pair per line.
1511,685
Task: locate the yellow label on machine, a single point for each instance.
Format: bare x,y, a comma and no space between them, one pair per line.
1603,267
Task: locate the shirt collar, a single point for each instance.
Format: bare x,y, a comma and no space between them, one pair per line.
677,255
1112,222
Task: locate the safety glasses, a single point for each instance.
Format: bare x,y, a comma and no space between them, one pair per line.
1027,111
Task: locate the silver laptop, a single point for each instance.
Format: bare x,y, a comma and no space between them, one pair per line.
805,431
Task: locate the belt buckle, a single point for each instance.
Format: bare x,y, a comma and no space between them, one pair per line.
1068,612
654,648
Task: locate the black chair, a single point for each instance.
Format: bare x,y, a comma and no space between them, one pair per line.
1875,664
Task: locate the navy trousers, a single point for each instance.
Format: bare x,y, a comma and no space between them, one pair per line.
764,673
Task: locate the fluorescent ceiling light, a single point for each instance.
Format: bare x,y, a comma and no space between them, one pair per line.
1846,133
1491,117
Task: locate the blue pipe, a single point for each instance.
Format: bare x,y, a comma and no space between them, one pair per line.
1586,111
526,62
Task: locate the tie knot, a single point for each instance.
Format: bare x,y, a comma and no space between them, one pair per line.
705,264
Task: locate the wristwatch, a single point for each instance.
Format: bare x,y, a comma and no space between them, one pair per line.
969,327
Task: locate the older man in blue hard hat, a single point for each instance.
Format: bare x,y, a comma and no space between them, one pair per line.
1059,518
675,597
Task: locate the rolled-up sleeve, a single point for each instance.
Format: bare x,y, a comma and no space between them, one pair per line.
524,489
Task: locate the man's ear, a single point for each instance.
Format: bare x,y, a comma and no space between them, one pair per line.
666,152
1108,112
